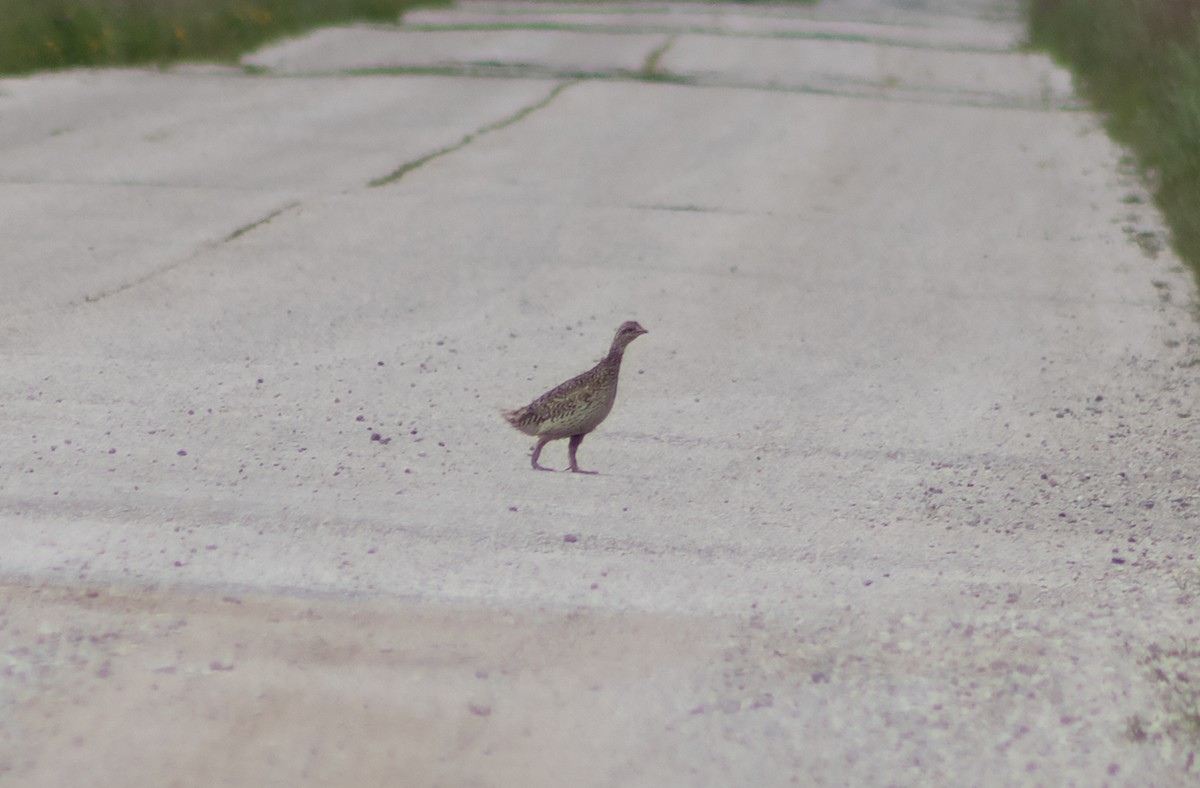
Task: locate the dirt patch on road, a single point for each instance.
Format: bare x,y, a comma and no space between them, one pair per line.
153,687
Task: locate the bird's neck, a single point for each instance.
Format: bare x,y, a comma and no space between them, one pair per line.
614,356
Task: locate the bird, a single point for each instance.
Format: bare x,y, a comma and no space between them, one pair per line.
576,407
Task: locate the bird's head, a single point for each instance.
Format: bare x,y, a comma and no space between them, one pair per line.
629,331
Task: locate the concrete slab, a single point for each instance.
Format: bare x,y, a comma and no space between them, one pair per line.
522,698
822,20
69,243
960,14
236,131
1005,78
108,177
901,485
366,48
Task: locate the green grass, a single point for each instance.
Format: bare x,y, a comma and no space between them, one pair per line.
1172,671
1138,62
47,34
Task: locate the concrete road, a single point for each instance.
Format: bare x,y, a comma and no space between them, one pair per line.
900,488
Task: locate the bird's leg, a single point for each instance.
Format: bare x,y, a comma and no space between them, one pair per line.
537,452
571,447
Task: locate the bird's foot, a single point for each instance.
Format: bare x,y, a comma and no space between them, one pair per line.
537,467
576,469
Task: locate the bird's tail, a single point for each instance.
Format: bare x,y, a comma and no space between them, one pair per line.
520,420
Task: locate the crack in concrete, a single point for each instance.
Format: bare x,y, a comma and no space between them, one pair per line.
93,298
491,70
690,208
516,117
239,232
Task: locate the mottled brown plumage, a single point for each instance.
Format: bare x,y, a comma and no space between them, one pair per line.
575,408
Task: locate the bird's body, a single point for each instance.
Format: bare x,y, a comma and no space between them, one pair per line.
575,408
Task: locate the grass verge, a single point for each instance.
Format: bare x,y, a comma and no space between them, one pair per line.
1138,62
47,34
1176,728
